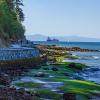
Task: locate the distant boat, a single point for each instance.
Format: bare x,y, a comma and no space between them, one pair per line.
52,40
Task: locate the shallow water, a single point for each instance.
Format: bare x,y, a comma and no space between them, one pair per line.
91,59
46,84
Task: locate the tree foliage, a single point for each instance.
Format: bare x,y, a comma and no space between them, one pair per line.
11,16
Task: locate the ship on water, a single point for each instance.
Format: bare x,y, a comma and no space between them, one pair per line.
52,40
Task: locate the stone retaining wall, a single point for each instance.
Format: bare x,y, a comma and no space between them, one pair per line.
21,63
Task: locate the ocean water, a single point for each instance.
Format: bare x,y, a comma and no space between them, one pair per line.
91,59
85,45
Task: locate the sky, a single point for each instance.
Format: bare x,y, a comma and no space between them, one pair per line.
62,17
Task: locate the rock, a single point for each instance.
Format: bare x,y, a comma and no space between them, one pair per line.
66,74
4,79
55,69
69,96
46,68
69,54
15,94
77,66
21,90
72,65
78,78
94,69
40,74
95,98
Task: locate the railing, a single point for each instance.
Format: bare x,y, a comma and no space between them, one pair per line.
18,53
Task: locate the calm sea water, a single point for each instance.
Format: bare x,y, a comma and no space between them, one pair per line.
92,59
87,45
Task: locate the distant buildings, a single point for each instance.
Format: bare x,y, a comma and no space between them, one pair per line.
52,40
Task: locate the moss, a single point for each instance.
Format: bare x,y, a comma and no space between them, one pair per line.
76,66
28,84
84,88
47,94
71,65
63,70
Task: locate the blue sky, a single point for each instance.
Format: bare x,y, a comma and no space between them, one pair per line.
62,17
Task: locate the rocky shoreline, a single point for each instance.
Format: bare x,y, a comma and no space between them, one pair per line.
9,70
7,93
37,84
75,49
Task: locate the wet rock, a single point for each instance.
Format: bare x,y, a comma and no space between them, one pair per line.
14,94
72,65
21,90
95,98
77,66
46,68
78,78
40,74
66,74
55,69
94,69
69,96
4,79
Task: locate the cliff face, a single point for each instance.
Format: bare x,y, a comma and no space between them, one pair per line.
2,43
11,27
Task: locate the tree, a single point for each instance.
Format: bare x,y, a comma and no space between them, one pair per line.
15,5
10,20
10,4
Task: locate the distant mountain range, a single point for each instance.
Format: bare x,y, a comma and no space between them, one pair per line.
38,37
